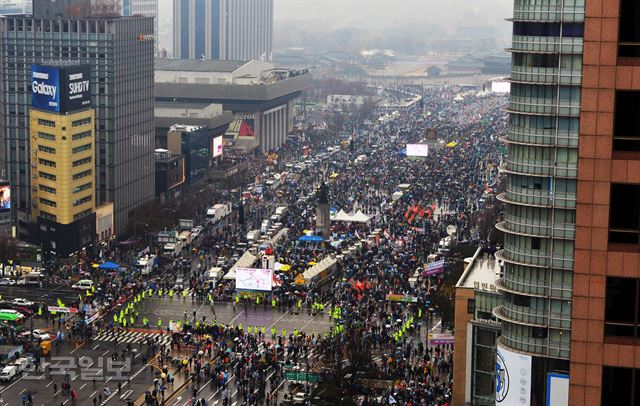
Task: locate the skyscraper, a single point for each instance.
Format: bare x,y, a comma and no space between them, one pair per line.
120,53
540,214
222,29
147,8
605,345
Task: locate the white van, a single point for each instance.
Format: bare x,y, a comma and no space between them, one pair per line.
215,274
264,227
83,284
22,364
8,373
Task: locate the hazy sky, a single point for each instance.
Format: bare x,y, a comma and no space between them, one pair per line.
380,13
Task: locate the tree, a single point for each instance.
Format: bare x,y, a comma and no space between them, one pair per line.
8,249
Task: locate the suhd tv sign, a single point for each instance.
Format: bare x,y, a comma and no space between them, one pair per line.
61,89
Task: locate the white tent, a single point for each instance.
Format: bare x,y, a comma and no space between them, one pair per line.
245,261
359,217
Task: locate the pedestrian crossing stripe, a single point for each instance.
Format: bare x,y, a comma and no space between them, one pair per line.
132,337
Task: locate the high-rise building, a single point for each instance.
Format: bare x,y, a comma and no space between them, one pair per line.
120,53
147,8
541,170
15,7
605,339
62,148
222,29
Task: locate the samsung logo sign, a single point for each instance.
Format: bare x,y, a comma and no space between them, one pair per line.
41,75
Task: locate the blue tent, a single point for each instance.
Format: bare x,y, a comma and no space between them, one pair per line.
311,238
109,266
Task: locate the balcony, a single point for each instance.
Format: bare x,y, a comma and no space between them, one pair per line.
538,198
540,137
530,167
551,11
542,106
549,76
546,45
535,258
542,289
515,315
526,226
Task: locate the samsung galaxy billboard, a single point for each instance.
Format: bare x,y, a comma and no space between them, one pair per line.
60,89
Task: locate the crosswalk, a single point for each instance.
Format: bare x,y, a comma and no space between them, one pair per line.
133,337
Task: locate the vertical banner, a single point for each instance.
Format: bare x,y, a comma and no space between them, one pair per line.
513,378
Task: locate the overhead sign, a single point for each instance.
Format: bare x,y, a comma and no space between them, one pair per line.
60,89
513,378
217,146
417,150
254,279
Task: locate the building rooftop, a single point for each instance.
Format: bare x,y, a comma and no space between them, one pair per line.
482,269
197,65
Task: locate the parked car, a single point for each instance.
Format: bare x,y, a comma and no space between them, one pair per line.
22,302
7,282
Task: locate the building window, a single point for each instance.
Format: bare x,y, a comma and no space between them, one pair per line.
80,188
80,122
48,216
622,307
46,175
48,202
46,123
81,148
82,174
81,214
629,36
48,150
81,135
82,161
471,306
620,386
47,189
84,200
535,243
46,136
626,133
46,162
624,214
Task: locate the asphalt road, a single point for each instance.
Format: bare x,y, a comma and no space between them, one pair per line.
47,294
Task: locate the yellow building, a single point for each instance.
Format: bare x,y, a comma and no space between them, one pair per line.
63,175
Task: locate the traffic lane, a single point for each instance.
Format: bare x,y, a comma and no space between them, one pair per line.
166,310
48,295
213,393
90,369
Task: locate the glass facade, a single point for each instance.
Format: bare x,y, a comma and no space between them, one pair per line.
122,93
541,168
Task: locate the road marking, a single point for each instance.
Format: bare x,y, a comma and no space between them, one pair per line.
281,317
65,402
49,384
127,393
105,353
93,394
96,347
83,386
22,391
7,387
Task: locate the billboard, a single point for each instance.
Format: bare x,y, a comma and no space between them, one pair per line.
557,389
241,127
5,197
513,378
501,87
254,279
217,146
434,268
417,150
60,89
